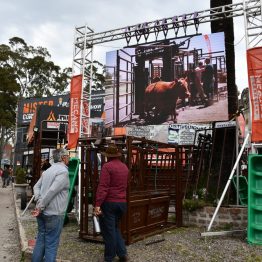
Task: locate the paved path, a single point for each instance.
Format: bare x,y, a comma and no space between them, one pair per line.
10,243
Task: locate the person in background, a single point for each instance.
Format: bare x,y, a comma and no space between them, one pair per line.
198,84
51,195
60,102
110,204
6,176
45,165
1,172
11,175
208,80
1,175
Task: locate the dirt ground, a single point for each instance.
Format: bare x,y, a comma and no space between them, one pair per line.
181,244
10,245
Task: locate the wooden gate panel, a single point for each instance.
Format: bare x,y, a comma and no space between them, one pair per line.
147,213
155,180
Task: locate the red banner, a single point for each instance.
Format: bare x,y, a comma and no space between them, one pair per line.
74,113
254,64
85,121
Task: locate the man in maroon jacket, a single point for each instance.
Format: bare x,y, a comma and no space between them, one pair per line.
110,203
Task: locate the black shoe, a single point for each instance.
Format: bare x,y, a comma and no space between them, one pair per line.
123,259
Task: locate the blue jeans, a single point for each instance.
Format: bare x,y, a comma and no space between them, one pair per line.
49,230
109,221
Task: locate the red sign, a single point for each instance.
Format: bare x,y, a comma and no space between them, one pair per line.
74,112
53,125
254,63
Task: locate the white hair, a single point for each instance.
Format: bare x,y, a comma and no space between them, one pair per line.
58,153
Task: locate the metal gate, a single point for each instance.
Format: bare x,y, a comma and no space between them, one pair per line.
119,98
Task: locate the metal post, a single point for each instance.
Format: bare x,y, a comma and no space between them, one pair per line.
245,23
28,205
228,183
237,171
83,82
81,123
90,92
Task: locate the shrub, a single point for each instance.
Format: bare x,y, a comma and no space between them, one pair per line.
20,176
193,204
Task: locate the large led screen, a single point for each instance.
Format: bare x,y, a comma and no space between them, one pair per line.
173,81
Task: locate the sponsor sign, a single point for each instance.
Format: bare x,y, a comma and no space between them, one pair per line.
225,124
97,103
53,125
47,118
186,134
254,58
157,133
51,114
27,107
74,114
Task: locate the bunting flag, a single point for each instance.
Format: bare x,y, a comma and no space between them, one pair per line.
74,112
254,64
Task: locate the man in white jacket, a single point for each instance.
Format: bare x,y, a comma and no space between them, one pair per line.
51,194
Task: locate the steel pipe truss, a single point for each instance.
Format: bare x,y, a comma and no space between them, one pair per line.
253,22
83,58
173,23
86,38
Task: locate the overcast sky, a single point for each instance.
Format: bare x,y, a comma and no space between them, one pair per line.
51,23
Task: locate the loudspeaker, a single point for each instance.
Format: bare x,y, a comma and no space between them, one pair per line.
226,25
220,25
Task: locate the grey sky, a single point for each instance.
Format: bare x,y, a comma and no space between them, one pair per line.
51,23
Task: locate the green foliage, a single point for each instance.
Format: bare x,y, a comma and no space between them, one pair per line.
33,70
8,100
20,176
193,204
98,78
25,71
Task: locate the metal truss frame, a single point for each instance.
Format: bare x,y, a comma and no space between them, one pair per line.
253,22
253,9
86,38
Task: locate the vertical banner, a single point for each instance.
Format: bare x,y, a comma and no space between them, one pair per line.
254,64
85,120
74,112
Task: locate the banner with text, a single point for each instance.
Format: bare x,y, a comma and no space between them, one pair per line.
157,133
254,64
184,134
28,106
74,113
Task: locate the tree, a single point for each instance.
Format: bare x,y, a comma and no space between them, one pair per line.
98,79
8,101
25,71
35,73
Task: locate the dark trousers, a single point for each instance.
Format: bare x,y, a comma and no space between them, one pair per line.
109,221
208,87
5,181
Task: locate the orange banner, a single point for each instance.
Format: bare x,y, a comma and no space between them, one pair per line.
74,113
254,64
85,121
